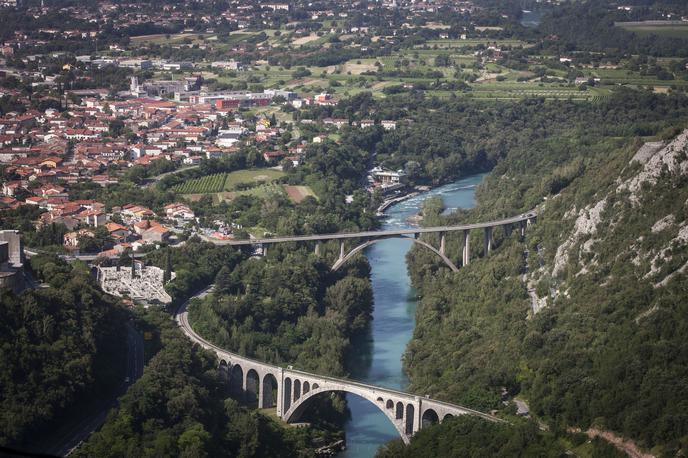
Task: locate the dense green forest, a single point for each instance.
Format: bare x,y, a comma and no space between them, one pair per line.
58,345
287,309
475,437
609,351
180,407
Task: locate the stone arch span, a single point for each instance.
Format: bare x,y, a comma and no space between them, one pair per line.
298,407
340,262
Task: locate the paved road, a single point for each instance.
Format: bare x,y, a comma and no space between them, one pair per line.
69,436
377,234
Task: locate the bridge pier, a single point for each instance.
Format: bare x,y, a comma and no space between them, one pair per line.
318,246
522,229
466,247
488,240
442,243
279,402
341,250
265,251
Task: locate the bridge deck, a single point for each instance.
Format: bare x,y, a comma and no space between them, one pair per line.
378,234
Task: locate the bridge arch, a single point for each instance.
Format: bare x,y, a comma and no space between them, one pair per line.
340,262
408,419
252,386
287,393
296,410
399,411
429,418
236,380
269,390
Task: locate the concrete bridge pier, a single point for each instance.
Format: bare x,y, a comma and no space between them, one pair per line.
466,247
522,229
442,243
488,240
341,250
279,402
318,246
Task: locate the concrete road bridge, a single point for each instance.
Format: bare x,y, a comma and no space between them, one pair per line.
291,391
364,239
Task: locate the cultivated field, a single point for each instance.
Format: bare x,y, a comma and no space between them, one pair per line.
227,181
298,193
263,175
203,185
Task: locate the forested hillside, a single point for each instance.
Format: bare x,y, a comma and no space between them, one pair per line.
287,309
605,266
58,345
180,407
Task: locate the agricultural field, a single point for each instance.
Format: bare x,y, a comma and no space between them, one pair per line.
263,175
221,182
203,185
670,29
298,193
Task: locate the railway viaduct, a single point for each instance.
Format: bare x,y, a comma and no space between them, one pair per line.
290,391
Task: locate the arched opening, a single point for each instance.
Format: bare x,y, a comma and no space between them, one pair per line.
366,423
339,263
400,411
410,411
297,389
429,418
390,404
269,391
306,387
252,386
287,394
236,381
447,417
315,386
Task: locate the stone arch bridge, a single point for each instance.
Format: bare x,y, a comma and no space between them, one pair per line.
291,391
364,239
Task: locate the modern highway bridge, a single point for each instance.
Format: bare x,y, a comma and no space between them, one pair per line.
370,237
291,391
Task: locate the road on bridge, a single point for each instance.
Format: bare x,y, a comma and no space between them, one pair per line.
377,234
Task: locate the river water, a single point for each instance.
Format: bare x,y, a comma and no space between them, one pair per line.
377,357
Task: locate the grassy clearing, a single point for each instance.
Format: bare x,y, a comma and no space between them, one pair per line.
264,191
251,176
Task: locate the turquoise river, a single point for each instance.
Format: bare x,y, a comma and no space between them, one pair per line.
377,356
